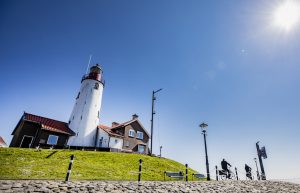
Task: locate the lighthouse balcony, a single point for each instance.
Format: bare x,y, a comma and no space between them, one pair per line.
93,77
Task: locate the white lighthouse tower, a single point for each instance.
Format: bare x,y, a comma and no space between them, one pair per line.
86,112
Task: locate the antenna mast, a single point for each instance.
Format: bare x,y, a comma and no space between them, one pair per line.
89,64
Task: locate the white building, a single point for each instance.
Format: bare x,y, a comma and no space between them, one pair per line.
130,136
85,116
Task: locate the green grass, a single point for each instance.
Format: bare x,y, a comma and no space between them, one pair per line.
16,163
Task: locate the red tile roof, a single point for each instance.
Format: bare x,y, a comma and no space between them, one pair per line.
49,124
109,131
128,123
2,142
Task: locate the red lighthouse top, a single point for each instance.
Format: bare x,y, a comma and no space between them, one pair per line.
94,74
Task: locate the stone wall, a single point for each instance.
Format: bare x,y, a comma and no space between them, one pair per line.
147,186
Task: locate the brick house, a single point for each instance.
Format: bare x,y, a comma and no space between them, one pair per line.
130,136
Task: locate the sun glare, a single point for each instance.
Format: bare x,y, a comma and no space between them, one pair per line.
287,15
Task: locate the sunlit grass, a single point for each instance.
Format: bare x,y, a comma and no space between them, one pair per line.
88,165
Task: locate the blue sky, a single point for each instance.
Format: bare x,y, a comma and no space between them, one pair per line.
222,62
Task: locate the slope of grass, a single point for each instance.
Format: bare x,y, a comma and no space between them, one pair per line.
16,163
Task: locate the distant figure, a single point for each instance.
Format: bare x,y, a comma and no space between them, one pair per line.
248,172
224,165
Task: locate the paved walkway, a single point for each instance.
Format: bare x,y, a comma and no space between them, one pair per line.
148,186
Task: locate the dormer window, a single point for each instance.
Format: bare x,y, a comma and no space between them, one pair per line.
131,133
140,135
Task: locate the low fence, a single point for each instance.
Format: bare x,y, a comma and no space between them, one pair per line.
178,175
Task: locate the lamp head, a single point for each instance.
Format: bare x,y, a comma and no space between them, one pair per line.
203,126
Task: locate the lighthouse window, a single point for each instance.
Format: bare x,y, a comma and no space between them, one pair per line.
78,95
96,86
98,114
116,141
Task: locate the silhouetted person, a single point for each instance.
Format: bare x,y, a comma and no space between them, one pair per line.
225,165
248,172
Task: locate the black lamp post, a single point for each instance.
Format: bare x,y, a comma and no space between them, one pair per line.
152,116
160,151
260,155
203,127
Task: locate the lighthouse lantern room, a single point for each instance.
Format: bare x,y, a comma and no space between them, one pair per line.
85,116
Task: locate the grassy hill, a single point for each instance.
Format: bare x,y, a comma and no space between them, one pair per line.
16,163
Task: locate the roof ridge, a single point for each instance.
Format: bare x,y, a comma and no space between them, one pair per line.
45,117
48,123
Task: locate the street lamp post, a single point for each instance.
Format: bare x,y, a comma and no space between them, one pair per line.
257,172
152,116
160,151
259,154
203,127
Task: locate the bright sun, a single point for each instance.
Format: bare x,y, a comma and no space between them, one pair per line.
287,15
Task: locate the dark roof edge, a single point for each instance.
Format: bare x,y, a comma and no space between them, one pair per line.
18,124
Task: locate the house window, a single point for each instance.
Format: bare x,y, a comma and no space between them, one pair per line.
141,148
52,140
140,135
127,143
116,141
131,133
101,142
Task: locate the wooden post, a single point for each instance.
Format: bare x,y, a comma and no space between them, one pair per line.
186,172
217,176
70,168
237,177
140,170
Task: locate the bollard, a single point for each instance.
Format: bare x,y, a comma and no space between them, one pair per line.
186,172
70,168
217,177
140,170
237,177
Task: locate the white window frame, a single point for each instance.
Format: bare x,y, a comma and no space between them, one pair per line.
140,133
141,146
131,131
55,141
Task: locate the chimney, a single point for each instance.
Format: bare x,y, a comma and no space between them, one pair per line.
135,116
113,124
